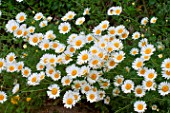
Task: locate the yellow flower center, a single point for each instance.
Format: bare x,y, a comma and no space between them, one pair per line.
165,88
22,18
167,65
78,42
84,57
1,64
139,64
2,97
138,90
54,91
148,51
65,28
91,96
93,76
46,45
19,32
140,106
69,101
34,79
74,72
149,83
128,86
14,28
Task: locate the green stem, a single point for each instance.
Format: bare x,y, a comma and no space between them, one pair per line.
122,108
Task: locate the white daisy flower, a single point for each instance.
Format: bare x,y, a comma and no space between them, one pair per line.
166,64
89,38
149,85
119,56
70,15
166,74
116,91
56,76
19,0
139,91
111,64
21,17
153,20
11,67
143,42
134,51
135,35
127,86
20,66
146,57
104,25
34,39
10,58
64,27
15,88
38,16
26,72
50,35
138,63
40,66
69,100
85,88
31,29
101,95
111,11
164,88
77,96
142,71
150,74
117,44
43,23
104,83
73,71
60,48
54,44
118,10
12,26
120,29
44,45
93,76
80,21
91,96
144,21
95,62
140,106
78,42
19,32
54,91
3,97
42,75
97,30
50,70
118,80
86,11
2,64
83,57
124,35
64,18
33,79
112,31
76,85
66,80
148,49
107,100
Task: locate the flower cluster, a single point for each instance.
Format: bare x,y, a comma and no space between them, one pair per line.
86,58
